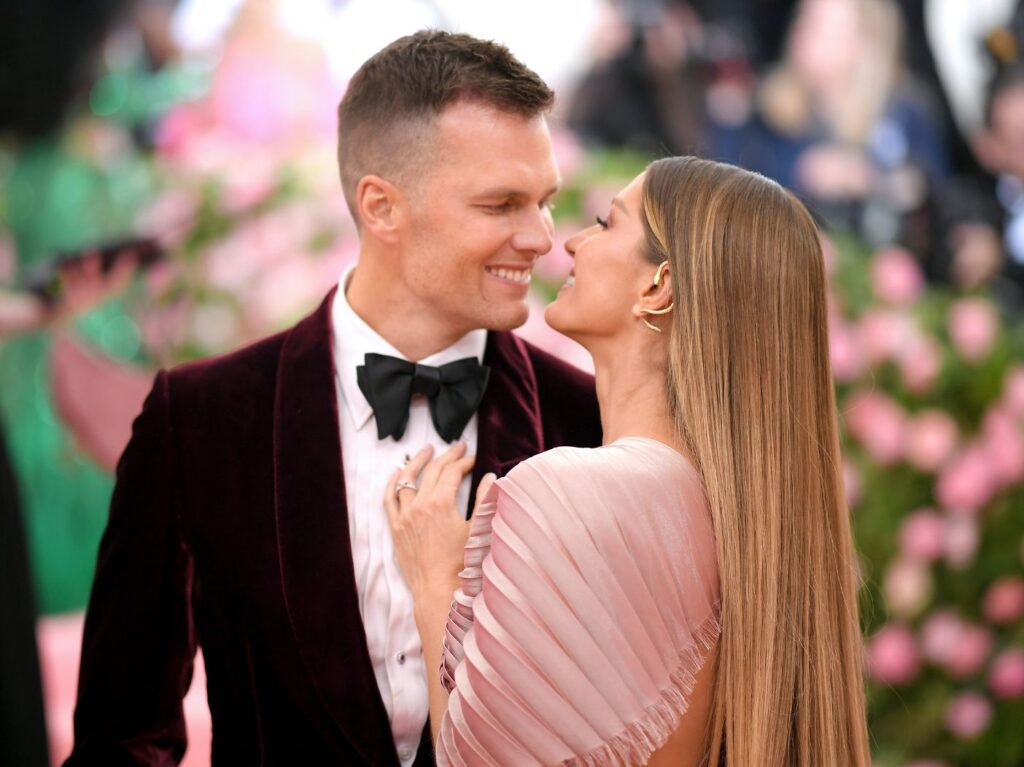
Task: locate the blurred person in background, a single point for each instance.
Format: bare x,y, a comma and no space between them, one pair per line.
22,723
841,123
48,60
646,92
985,238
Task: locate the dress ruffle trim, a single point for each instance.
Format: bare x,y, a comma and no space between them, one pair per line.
640,740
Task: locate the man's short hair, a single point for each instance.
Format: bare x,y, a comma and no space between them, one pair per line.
395,95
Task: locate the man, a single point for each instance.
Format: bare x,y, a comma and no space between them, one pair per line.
248,515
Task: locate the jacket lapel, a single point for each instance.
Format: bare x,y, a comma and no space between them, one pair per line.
313,539
509,423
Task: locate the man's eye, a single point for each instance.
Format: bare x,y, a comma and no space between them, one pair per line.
602,222
501,207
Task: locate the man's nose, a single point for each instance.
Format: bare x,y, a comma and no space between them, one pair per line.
535,233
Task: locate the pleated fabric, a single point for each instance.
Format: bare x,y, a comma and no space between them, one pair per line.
588,603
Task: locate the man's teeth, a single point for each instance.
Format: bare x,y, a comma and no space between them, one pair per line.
570,281
515,275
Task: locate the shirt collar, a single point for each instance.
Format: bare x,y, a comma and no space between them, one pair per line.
354,339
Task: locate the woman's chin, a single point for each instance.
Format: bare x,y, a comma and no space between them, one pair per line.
554,319
557,323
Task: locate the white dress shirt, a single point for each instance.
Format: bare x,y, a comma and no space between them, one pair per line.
385,601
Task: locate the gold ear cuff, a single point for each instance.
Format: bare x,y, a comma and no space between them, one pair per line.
657,281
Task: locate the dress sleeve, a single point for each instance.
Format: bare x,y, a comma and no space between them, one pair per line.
588,603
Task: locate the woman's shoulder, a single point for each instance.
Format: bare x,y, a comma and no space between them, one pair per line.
631,488
628,459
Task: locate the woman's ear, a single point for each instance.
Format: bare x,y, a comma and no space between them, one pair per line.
380,205
657,298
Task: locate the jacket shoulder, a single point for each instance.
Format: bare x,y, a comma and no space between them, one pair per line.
226,379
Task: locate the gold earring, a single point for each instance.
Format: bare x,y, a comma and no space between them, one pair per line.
657,281
655,328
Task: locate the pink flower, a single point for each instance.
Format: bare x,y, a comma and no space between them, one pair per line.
1004,601
896,277
844,349
973,326
968,714
907,587
961,541
1006,677
893,657
970,651
851,484
922,535
878,423
940,635
169,216
886,334
568,152
967,482
931,439
276,90
1013,392
920,364
1003,443
178,128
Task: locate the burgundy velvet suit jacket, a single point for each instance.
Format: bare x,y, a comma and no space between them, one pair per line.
228,529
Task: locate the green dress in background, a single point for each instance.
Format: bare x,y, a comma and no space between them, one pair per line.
55,197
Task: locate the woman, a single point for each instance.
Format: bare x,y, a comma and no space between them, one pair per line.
686,593
840,122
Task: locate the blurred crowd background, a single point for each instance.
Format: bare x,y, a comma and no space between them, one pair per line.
168,190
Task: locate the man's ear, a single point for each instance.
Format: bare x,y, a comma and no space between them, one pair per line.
380,205
656,299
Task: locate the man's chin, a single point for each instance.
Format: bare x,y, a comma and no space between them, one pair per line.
509,320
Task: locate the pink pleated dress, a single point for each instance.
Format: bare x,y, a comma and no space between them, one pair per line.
588,603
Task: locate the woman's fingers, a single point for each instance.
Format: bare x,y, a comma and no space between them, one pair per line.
433,469
452,473
411,471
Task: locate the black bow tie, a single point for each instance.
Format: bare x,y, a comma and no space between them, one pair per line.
454,391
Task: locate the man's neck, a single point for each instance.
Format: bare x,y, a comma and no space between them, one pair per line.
395,319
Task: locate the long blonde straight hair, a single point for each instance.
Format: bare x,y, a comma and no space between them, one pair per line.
751,386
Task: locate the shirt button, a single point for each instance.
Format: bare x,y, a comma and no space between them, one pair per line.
405,754
400,658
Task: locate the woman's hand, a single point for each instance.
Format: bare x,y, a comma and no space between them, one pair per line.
428,531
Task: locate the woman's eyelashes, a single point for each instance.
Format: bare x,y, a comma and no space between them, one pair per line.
602,222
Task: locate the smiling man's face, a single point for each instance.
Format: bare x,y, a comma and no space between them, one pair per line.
479,216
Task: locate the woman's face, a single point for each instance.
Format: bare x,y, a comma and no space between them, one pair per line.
823,41
609,274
